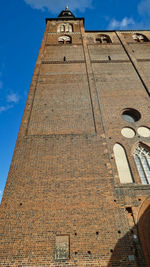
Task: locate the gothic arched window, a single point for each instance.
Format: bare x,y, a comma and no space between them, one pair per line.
103,38
65,27
142,159
138,37
64,39
122,164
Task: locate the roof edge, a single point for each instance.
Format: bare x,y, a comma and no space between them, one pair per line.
133,30
59,19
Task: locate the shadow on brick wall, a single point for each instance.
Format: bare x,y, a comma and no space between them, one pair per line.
134,248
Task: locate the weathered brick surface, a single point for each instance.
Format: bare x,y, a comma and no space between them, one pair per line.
145,66
62,107
101,52
52,39
63,179
70,52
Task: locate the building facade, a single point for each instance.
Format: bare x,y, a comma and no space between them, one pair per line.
78,189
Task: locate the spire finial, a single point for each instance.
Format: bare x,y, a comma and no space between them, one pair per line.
67,8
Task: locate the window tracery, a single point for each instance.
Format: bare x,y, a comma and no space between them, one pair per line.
142,159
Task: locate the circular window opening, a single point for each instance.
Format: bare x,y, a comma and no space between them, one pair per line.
131,115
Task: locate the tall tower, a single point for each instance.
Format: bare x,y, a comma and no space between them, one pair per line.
77,192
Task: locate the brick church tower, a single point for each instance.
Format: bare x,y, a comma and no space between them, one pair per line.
78,191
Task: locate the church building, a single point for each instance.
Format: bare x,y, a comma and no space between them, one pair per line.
78,189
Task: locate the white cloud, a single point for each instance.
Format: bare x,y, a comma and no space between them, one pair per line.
144,7
5,108
125,23
14,98
58,5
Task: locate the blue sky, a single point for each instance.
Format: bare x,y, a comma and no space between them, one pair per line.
22,24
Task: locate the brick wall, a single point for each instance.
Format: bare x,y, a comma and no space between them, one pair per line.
63,197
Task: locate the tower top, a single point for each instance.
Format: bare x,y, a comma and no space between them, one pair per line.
66,14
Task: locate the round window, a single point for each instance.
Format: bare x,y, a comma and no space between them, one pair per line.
131,115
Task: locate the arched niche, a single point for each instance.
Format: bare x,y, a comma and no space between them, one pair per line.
138,37
122,164
143,224
103,39
65,39
65,27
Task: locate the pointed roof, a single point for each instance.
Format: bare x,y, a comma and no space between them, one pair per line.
66,14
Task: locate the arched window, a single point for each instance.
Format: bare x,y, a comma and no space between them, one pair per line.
142,159
65,27
64,39
103,38
122,164
138,37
